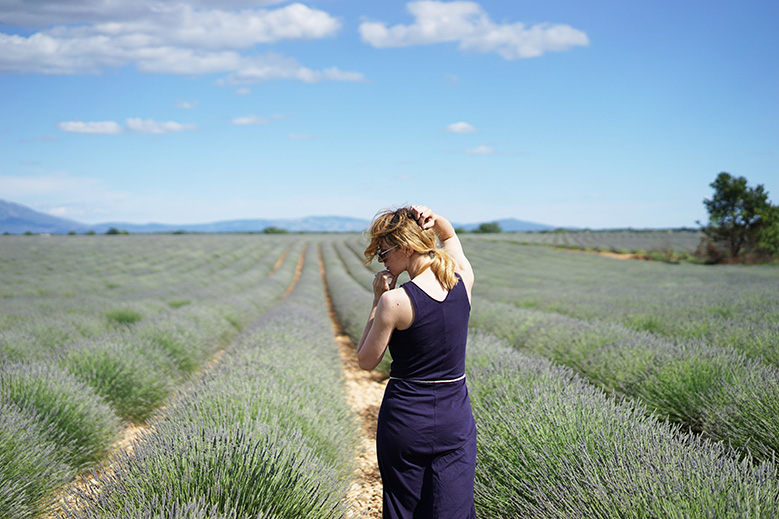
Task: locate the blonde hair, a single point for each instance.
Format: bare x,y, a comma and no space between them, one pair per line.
400,229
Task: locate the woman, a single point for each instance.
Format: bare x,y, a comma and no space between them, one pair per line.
426,436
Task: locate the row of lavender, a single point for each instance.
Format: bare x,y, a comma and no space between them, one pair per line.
57,290
724,305
619,241
66,396
551,444
723,383
265,434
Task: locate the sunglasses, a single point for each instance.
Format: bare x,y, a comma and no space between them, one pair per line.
382,254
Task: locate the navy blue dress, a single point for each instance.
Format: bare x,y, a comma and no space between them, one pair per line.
426,436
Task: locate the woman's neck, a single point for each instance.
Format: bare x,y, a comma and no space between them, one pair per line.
421,264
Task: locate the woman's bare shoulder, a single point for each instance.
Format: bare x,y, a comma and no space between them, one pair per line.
398,308
397,297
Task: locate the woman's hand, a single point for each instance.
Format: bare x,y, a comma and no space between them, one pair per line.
425,217
382,282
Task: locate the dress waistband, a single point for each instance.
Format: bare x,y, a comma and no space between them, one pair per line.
421,381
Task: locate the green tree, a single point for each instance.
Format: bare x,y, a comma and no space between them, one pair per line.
489,227
735,214
768,236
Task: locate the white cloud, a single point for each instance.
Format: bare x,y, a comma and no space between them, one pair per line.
274,66
250,119
171,38
257,119
468,24
335,74
482,149
135,124
187,105
65,212
100,127
47,13
460,127
243,91
152,126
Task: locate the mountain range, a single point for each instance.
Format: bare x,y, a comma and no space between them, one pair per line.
19,219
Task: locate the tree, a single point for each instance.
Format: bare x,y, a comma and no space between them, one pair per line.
736,214
489,227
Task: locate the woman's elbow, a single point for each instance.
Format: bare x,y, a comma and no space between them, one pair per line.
366,363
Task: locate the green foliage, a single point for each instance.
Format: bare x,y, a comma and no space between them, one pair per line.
768,236
84,424
274,230
124,316
30,464
492,227
741,220
126,375
115,231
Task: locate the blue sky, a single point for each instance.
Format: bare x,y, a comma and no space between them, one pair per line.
601,114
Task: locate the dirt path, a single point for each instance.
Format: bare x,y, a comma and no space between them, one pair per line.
617,255
365,390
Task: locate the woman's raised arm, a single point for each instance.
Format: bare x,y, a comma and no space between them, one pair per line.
427,219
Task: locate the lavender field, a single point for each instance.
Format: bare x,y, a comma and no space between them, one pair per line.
601,387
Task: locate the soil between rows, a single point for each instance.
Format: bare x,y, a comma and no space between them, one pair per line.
364,392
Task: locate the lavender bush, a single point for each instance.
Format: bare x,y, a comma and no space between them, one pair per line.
690,382
85,424
552,445
31,460
265,433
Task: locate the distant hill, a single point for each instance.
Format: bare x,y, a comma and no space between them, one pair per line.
308,224
511,225
18,219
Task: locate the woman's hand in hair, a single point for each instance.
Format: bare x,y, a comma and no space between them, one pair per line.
425,217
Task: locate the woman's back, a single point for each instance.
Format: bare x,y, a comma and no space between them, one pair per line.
433,347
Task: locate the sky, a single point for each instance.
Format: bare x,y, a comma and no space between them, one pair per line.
599,114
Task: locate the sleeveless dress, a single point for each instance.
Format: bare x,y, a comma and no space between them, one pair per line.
426,435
